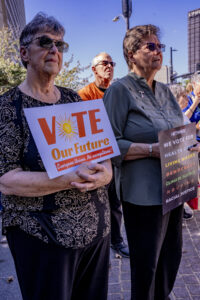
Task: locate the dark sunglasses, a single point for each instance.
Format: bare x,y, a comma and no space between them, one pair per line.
105,63
154,46
47,43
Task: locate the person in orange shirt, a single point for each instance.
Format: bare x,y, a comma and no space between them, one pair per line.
103,69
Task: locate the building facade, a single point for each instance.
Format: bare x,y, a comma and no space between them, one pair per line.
194,40
12,15
163,75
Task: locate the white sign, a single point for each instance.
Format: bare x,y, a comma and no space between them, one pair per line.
67,135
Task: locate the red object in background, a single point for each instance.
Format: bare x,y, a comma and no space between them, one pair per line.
194,203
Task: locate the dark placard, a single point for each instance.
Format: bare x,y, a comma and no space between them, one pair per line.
179,166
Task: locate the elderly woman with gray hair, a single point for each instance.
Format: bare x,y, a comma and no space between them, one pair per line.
139,107
58,229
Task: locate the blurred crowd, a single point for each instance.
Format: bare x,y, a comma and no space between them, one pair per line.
188,98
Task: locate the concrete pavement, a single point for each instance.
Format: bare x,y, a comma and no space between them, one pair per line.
187,286
9,288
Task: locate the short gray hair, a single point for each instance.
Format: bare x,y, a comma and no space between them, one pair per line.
177,90
40,23
96,58
195,77
135,36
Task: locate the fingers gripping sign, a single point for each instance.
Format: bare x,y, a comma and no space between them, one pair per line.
94,176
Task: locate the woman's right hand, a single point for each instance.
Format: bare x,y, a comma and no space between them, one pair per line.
72,176
34,184
101,175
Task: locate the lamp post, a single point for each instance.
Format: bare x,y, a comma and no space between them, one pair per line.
126,12
171,64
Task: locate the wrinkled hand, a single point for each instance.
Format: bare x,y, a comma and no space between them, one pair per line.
66,179
85,168
93,175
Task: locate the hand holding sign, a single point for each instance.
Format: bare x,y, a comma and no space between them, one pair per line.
98,176
195,147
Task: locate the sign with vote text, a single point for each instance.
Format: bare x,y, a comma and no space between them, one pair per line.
179,166
67,135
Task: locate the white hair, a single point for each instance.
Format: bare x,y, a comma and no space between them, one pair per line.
177,90
195,77
97,59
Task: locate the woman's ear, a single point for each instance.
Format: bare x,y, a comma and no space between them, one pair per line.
24,53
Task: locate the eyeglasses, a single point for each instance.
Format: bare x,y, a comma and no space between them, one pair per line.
105,63
47,43
154,46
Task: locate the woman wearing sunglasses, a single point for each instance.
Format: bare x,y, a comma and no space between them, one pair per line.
58,229
139,107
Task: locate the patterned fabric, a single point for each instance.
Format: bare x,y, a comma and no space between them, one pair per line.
69,218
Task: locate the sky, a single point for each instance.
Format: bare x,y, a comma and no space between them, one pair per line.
90,29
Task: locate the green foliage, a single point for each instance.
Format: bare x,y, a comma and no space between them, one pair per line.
70,77
185,82
12,72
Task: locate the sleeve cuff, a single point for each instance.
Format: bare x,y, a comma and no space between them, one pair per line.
124,145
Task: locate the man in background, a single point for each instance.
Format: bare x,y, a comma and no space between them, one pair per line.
103,69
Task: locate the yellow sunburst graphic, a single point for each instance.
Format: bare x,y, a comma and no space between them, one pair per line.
67,128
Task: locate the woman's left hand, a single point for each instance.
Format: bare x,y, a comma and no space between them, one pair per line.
102,175
195,147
